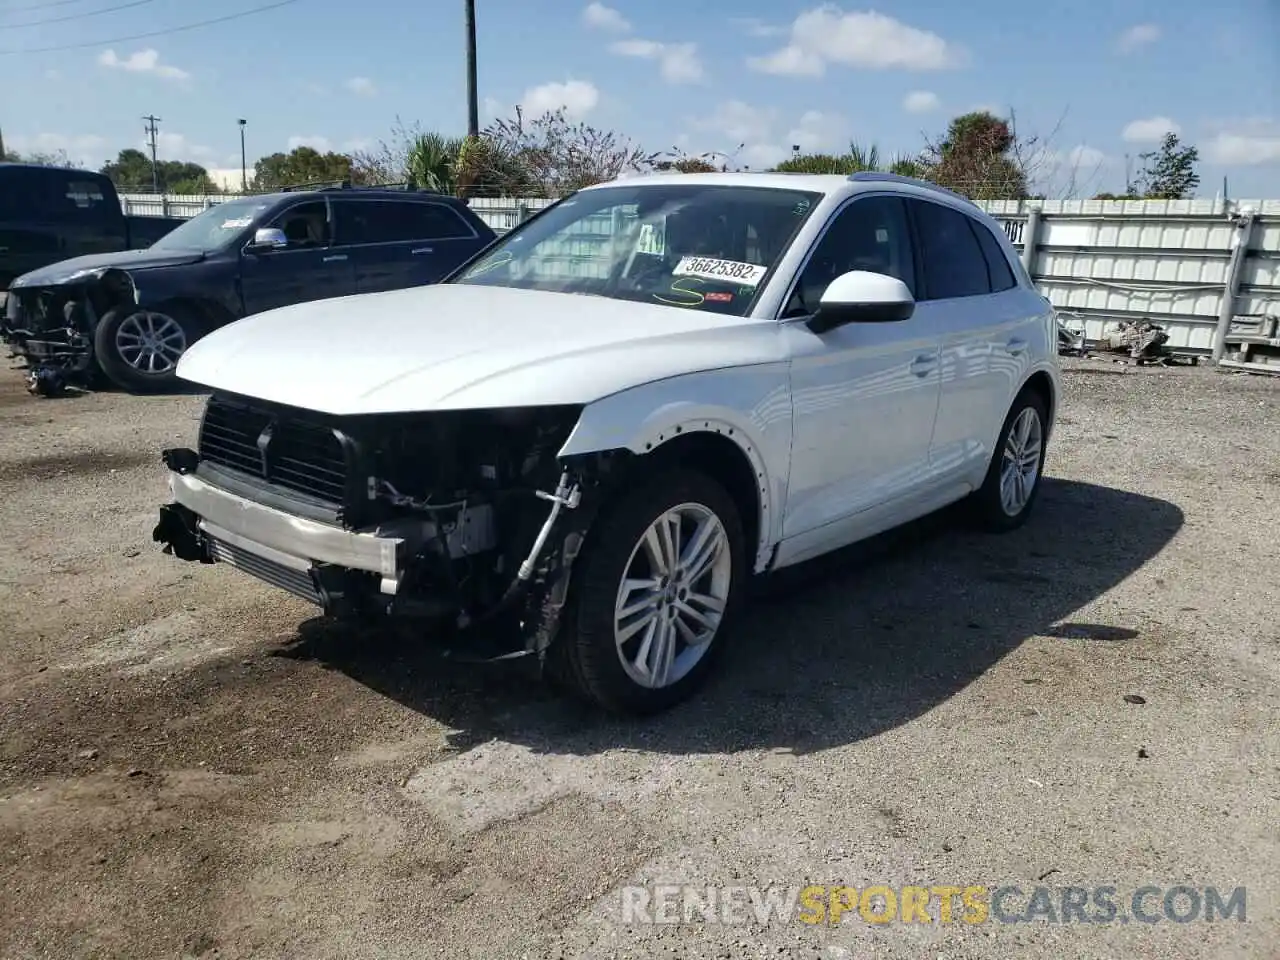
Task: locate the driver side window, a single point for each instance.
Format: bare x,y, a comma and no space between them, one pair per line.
305,225
871,234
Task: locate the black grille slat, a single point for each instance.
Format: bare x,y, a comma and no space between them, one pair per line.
304,457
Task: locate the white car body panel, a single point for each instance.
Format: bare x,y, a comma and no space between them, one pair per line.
851,432
456,346
750,406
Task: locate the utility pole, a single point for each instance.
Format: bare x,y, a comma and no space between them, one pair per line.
473,102
151,141
244,167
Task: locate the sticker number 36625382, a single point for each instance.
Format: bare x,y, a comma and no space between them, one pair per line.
734,271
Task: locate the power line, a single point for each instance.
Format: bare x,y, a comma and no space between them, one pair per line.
41,6
77,16
154,33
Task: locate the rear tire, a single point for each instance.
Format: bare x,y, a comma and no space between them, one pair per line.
138,349
629,601
1012,485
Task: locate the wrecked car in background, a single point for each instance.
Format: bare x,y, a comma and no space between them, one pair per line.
132,315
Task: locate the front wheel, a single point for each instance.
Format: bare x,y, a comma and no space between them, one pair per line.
1008,493
654,592
139,349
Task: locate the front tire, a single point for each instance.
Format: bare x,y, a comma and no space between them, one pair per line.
1007,495
654,592
138,349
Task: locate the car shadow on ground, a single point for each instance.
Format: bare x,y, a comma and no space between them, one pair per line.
829,653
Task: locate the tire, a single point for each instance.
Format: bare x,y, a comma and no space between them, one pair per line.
1026,423
587,657
129,340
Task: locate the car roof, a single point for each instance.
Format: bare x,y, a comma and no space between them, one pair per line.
832,184
377,193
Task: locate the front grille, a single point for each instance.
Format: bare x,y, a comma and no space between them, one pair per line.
285,578
284,450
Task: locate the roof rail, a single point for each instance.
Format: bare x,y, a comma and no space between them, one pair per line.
876,176
318,185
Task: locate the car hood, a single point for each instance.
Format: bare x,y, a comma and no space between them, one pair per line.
77,268
458,346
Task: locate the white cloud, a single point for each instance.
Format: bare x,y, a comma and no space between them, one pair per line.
144,61
361,86
756,27
174,146
81,149
863,39
600,17
1085,157
1248,143
767,137
920,101
1149,130
1138,36
679,62
578,97
318,143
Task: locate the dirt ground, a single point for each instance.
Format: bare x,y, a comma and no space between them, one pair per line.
191,766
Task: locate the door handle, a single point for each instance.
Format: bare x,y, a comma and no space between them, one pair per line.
1016,346
336,256
922,364
414,253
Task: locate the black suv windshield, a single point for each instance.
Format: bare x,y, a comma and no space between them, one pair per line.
706,246
214,228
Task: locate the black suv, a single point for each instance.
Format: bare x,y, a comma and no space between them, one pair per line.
131,315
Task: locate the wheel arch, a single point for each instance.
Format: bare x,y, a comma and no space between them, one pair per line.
723,443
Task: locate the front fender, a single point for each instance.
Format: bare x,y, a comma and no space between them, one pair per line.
750,406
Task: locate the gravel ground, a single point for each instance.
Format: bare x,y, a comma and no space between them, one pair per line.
192,766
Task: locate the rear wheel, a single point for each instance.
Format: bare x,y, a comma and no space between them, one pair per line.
1013,478
139,349
655,591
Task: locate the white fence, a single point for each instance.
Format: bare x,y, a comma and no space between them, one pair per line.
1208,270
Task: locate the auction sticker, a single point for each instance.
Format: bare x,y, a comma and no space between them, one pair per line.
734,271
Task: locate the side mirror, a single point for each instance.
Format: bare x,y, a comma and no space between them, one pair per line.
862,297
268,238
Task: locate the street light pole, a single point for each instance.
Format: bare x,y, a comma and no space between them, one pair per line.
473,103
244,167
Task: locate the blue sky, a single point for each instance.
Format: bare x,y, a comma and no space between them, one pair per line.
709,76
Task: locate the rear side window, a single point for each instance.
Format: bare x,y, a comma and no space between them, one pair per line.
51,194
387,221
997,263
954,265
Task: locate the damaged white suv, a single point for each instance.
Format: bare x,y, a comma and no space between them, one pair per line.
583,444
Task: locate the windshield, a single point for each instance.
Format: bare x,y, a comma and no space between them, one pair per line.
703,246
214,228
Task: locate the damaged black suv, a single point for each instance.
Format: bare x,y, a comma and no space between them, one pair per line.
131,315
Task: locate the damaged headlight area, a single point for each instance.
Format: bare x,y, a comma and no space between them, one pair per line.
466,518
51,327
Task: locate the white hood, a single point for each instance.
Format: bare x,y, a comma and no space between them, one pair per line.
457,346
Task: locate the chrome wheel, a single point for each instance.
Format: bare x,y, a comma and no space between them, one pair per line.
1020,462
672,598
150,343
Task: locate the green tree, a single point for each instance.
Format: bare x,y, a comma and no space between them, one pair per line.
557,156
300,165
1168,173
978,158
130,171
857,159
